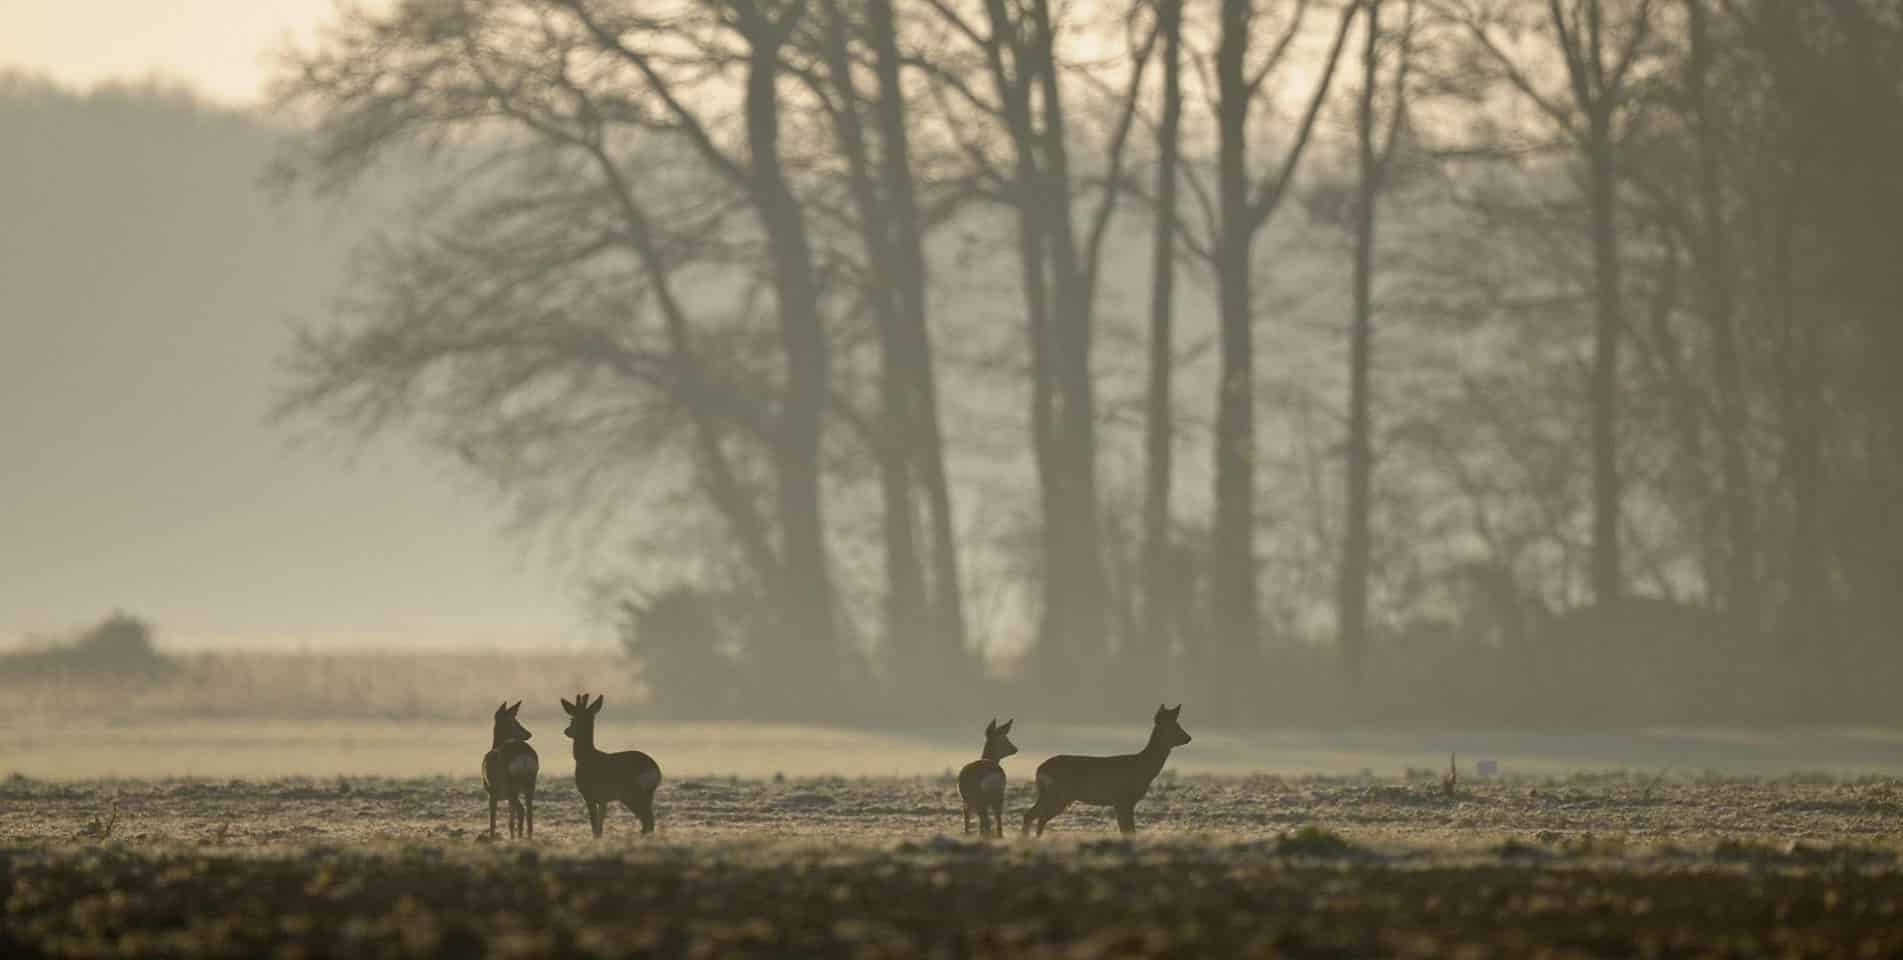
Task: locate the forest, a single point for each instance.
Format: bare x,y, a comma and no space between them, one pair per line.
1512,362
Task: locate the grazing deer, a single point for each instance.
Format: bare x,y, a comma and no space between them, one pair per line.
1117,782
508,772
981,782
630,776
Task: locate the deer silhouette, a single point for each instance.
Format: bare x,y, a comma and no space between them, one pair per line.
1117,782
508,772
603,778
981,782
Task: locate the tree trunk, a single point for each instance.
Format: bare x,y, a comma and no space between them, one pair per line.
907,634
1053,653
908,255
1151,650
1740,588
1233,613
1607,578
1352,599
812,663
1086,597
1804,632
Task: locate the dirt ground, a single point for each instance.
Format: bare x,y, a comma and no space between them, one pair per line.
1587,865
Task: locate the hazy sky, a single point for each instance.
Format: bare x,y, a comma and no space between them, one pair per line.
219,47
148,292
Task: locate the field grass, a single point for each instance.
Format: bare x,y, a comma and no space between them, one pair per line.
326,806
1247,866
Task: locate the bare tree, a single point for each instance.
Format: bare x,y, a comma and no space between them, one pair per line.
1374,151
1060,266
1246,204
1159,598
924,620
1603,44
760,31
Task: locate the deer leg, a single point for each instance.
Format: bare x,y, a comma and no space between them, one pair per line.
967,818
1043,810
530,813
1031,814
1051,812
516,822
643,806
1127,818
601,818
984,820
998,816
492,816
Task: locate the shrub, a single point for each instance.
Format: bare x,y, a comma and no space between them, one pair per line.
121,647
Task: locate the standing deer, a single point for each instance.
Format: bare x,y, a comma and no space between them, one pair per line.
981,782
1117,782
508,772
630,776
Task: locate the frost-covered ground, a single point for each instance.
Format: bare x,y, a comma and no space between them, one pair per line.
1587,865
363,839
1631,814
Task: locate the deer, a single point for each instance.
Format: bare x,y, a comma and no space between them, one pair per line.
508,772
981,782
603,778
1117,782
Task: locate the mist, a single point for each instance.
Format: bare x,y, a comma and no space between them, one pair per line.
1432,391
952,478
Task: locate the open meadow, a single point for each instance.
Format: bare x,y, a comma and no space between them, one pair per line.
332,809
1614,865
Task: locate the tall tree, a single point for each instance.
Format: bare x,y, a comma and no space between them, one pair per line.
506,330
1060,264
1601,52
1374,151
1159,597
923,605
761,29
910,276
836,87
1739,588
1245,204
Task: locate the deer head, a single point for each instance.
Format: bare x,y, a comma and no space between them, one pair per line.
581,714
507,726
998,743
1168,730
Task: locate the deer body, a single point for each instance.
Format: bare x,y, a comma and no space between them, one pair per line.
630,777
981,782
1117,782
509,770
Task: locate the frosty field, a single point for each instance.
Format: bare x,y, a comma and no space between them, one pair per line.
1611,864
330,807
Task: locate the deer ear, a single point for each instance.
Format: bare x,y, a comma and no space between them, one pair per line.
595,707
992,727
502,708
518,706
567,707
1007,726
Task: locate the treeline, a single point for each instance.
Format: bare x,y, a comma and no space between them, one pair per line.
1377,360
